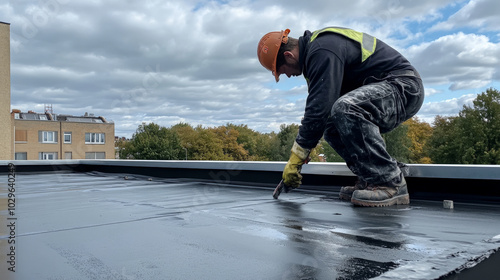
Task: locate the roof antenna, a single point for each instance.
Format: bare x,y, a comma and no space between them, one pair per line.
48,109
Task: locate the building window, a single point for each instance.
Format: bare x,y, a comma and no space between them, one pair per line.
68,155
16,116
21,156
94,138
67,137
47,156
21,136
95,155
47,136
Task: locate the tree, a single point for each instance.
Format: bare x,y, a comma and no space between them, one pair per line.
419,133
263,149
268,147
473,137
479,126
330,154
154,143
443,145
284,141
207,146
213,143
187,136
398,143
253,142
231,149
120,146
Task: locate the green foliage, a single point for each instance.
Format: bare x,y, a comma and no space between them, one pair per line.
479,127
215,143
398,143
285,139
120,145
153,142
419,133
330,154
442,145
473,137
256,144
231,149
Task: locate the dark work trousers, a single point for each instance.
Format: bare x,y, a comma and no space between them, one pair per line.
359,117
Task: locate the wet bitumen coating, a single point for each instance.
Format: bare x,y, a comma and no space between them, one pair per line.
120,226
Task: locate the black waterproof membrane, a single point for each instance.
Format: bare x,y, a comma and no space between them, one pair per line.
93,225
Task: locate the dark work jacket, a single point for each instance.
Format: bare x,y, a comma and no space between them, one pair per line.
332,67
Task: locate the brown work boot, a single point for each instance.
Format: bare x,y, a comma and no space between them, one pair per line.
394,192
346,192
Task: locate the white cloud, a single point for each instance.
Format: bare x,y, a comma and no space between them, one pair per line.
195,61
480,14
465,61
431,91
449,107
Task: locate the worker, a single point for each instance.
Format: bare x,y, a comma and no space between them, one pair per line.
358,88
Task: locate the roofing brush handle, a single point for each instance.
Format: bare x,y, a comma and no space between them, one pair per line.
281,187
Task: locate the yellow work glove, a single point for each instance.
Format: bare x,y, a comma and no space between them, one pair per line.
291,174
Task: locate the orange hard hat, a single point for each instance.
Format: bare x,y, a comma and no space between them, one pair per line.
268,48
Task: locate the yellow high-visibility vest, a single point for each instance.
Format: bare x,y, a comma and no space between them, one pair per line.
367,42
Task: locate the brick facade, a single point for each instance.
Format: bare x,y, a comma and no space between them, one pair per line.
22,134
6,128
30,138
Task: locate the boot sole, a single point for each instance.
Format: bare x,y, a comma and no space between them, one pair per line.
397,200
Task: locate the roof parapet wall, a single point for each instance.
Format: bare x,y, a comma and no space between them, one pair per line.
465,183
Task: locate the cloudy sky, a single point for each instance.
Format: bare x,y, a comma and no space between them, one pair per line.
195,61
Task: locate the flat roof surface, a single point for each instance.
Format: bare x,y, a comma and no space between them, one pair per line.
121,226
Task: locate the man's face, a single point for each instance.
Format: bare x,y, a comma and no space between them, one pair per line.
290,68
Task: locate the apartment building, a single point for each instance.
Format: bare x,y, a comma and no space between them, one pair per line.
47,136
6,132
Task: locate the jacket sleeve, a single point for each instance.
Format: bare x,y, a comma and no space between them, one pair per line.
325,71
